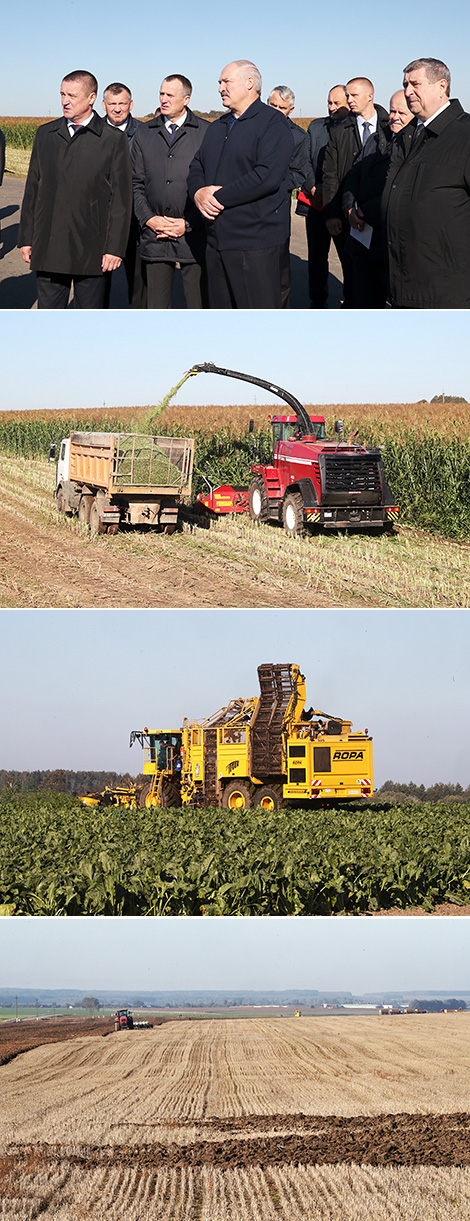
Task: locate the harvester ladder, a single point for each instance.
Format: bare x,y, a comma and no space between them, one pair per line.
276,689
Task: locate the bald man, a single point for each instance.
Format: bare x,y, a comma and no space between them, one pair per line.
354,139
238,180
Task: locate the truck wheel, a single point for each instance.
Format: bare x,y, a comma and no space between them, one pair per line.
84,509
60,501
268,798
293,514
113,528
236,796
170,528
96,525
258,501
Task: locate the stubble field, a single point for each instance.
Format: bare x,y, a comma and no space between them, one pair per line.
336,1118
50,560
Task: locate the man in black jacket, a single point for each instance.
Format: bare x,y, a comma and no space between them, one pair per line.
349,140
117,105
77,203
171,228
318,237
426,201
239,181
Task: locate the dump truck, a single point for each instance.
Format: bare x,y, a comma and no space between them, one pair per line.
267,750
306,479
116,479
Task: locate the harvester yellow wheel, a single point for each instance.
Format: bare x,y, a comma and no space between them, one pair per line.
236,796
268,798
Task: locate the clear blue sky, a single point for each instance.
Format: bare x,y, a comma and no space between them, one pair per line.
309,48
402,674
358,955
135,358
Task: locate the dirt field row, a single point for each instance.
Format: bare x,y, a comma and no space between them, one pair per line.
342,1119
49,560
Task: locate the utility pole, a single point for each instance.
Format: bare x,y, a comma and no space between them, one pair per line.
16,1008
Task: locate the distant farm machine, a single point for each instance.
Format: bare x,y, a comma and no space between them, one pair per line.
305,479
267,751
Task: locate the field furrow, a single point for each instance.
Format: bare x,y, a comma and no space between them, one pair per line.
49,560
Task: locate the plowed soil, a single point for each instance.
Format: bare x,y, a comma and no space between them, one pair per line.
385,1140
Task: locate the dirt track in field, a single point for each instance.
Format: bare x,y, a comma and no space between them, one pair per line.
384,1140
48,560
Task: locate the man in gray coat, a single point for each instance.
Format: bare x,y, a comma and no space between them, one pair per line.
171,228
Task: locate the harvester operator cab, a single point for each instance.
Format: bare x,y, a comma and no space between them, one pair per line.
288,428
161,750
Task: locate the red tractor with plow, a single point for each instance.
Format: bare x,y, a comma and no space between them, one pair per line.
306,479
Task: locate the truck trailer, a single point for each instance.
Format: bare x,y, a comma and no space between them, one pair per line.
115,479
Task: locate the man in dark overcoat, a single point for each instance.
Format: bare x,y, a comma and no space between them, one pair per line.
426,201
355,137
118,104
77,204
239,181
171,227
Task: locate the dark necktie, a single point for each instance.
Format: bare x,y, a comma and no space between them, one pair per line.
365,133
418,132
172,127
75,127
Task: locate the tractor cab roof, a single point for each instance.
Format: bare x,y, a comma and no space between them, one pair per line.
292,419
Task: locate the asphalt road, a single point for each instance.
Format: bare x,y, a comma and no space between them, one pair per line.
18,283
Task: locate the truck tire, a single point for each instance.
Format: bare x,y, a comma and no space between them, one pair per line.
258,501
61,506
293,514
97,526
236,796
84,509
268,797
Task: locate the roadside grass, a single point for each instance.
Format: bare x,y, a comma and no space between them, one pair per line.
17,161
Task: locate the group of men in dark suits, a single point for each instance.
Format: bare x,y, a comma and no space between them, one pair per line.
395,194
214,198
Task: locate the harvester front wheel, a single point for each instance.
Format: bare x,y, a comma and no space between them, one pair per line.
236,796
258,501
268,798
144,792
293,514
171,796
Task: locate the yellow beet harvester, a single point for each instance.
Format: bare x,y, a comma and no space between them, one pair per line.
267,750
